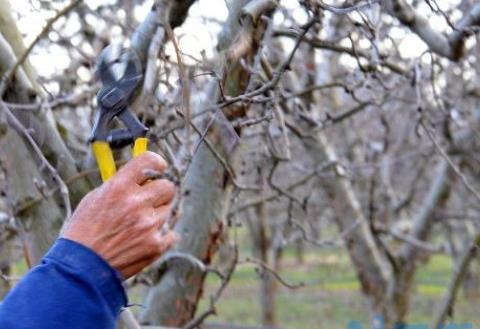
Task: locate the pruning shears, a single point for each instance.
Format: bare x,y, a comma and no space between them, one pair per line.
114,99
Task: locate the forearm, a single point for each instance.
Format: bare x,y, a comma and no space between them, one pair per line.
116,228
72,288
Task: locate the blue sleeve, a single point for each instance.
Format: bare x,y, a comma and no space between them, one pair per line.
72,288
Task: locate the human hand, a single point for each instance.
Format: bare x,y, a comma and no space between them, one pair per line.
121,219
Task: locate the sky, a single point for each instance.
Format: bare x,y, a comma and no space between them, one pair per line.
197,34
32,20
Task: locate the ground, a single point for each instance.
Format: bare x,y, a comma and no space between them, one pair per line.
331,297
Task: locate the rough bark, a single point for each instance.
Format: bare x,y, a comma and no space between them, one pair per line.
207,187
173,300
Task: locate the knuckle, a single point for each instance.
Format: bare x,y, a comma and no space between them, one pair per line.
146,223
158,239
140,215
169,186
131,208
162,216
166,189
134,201
155,244
115,185
165,186
153,159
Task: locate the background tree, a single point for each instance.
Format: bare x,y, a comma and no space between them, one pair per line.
349,125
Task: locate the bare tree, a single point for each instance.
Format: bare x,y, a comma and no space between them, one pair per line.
349,126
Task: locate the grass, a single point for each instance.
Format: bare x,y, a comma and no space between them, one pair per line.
331,297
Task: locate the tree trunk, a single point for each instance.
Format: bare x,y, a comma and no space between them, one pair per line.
374,272
408,256
173,301
5,259
261,235
41,222
206,191
42,124
471,282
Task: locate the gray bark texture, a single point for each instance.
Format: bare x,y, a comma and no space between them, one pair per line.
206,191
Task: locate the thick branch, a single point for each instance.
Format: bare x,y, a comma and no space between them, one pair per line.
461,269
451,46
206,190
422,223
336,47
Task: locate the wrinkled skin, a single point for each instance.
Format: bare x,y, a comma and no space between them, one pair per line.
121,219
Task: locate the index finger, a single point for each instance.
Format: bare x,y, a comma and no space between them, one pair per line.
134,169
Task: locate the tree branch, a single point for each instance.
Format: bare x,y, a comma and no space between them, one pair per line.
448,300
452,46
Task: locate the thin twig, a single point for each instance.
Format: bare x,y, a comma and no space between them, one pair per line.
452,165
327,242
184,82
347,10
277,276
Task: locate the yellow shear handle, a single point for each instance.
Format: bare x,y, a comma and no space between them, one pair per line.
104,156
140,146
105,161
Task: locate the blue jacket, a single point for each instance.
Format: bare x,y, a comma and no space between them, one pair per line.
72,288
